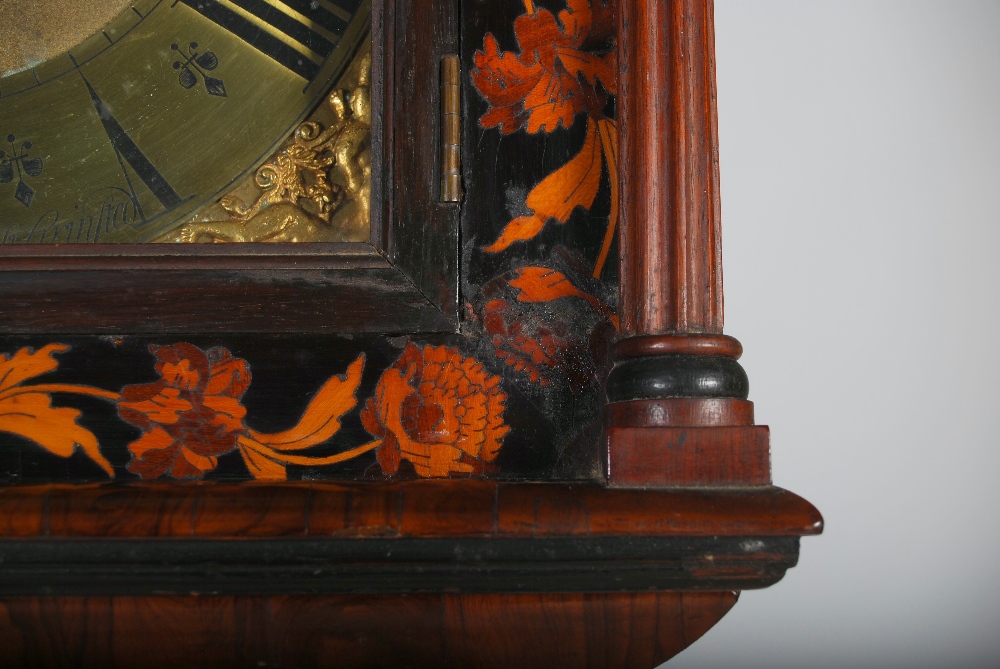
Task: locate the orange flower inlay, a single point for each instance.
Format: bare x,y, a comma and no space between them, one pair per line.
439,410
191,416
556,77
533,346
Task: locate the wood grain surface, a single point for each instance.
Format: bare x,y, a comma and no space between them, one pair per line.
671,261
680,412
690,344
405,509
638,630
689,456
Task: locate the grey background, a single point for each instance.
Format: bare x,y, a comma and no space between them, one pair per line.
860,150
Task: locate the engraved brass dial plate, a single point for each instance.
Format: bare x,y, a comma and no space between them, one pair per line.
126,135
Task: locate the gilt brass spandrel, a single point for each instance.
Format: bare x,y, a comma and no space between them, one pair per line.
316,188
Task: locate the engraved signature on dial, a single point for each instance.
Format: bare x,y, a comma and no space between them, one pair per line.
195,64
102,213
18,163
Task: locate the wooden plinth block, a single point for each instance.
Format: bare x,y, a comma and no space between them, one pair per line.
639,630
688,456
680,412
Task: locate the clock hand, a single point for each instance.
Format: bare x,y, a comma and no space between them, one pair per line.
126,148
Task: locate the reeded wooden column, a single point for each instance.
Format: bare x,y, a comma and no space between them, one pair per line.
671,259
677,412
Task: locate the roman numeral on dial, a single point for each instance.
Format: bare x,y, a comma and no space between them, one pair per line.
298,34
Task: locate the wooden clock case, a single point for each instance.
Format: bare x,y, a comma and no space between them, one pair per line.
404,279
522,570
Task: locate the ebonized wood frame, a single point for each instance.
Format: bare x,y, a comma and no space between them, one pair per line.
403,280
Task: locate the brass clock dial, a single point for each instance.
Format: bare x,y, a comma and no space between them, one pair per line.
125,135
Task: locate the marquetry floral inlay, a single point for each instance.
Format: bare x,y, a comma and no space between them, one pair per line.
563,71
434,407
439,410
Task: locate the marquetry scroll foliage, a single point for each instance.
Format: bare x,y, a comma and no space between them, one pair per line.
538,323
434,407
27,411
562,73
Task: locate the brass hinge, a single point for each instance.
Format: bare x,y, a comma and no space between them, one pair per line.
451,129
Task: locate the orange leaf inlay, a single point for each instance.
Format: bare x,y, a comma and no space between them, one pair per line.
28,412
609,142
265,463
266,455
27,364
321,419
32,416
260,466
518,230
573,185
541,284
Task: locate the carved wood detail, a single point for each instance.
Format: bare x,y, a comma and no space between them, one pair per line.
677,412
671,261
